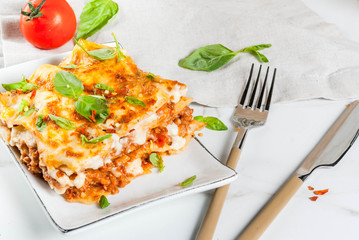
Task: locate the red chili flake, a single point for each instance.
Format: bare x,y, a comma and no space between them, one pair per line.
321,192
33,94
110,130
314,198
93,115
310,188
19,91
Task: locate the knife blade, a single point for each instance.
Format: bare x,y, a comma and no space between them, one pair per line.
328,152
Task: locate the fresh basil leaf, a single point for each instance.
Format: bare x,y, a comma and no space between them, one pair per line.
23,85
199,118
27,113
103,53
67,84
94,140
150,76
24,109
63,123
213,123
104,202
254,51
24,103
86,103
95,15
208,58
71,66
188,181
104,87
212,57
157,161
40,124
134,101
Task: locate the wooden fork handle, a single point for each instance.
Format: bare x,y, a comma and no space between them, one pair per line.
264,218
214,211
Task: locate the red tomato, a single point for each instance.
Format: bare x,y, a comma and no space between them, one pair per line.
53,29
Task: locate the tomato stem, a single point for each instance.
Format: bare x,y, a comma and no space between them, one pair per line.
34,12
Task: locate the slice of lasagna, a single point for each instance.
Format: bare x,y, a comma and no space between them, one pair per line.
90,125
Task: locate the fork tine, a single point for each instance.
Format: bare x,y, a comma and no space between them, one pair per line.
243,99
259,104
271,91
255,88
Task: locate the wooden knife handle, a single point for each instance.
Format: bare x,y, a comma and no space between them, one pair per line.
264,218
214,211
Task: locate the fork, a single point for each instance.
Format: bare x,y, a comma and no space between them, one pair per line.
250,112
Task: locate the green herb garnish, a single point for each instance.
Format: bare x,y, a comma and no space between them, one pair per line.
40,124
24,110
157,161
67,84
63,123
188,181
86,104
23,85
150,76
104,53
212,57
104,202
213,123
94,16
104,87
94,140
134,101
71,66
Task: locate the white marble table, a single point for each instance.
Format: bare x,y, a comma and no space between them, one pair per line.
270,154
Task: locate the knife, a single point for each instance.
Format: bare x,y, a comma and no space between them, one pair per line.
328,152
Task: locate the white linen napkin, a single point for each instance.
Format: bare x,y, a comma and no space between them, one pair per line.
313,59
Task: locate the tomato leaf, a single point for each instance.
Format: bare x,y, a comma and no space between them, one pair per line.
40,124
23,85
104,202
63,123
213,123
95,15
134,101
188,181
87,103
157,161
94,140
67,84
104,87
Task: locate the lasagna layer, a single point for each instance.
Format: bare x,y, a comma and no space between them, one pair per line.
83,171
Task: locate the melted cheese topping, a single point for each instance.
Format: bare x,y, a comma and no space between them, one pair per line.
177,141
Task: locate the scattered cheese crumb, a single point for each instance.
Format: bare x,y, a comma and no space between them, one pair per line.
107,92
237,129
200,134
347,105
26,108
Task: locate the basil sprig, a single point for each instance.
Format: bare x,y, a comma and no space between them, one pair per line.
40,124
94,140
157,161
104,53
134,101
71,66
63,123
188,181
88,103
213,123
104,87
212,57
23,85
94,16
67,84
104,202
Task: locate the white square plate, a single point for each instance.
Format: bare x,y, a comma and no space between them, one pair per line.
143,191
